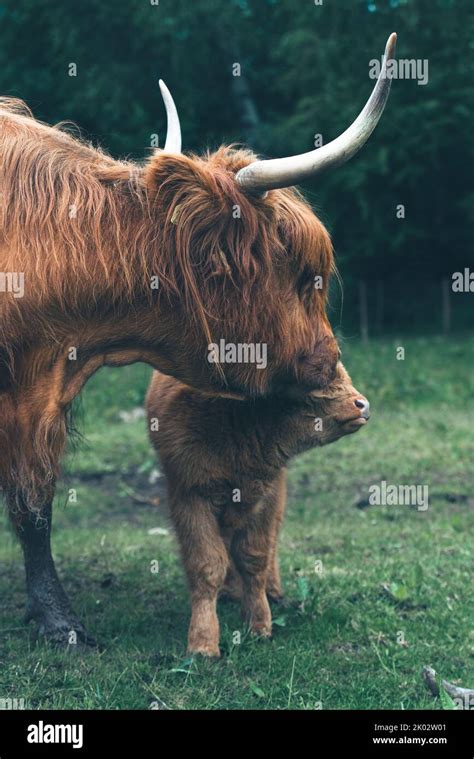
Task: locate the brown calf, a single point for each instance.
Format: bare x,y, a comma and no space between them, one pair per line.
225,462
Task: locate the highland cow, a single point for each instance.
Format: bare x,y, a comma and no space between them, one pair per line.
108,262
225,465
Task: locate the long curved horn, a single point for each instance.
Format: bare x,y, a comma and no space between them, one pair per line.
260,176
173,135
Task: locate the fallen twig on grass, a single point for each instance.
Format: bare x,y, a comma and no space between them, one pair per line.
462,697
138,498
145,499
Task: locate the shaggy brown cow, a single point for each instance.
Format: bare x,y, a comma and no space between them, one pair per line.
84,242
224,462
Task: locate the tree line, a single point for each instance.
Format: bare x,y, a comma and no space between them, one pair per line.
280,75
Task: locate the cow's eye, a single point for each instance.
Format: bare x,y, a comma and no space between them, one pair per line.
305,282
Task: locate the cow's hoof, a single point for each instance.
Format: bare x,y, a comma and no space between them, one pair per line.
69,634
73,638
57,623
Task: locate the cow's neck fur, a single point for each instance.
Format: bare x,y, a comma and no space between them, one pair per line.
66,214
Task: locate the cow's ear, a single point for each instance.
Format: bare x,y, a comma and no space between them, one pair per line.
166,173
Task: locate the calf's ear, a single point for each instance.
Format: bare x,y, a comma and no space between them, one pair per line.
317,370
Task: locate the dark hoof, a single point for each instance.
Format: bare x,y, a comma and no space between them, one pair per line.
69,634
70,638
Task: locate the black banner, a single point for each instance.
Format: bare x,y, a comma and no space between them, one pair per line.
88,733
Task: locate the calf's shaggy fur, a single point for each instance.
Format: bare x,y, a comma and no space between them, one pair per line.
225,463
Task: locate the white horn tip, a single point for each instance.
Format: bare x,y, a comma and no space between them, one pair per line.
173,136
391,45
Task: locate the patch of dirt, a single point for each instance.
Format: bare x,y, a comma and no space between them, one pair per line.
131,492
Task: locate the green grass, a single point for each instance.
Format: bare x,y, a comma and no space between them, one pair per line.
390,573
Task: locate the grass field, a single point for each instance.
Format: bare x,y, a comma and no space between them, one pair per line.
394,593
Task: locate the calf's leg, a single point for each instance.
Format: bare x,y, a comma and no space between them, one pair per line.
277,494
206,562
275,502
251,547
232,588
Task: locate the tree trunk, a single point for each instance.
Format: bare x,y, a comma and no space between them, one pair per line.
247,109
363,311
379,313
245,104
446,306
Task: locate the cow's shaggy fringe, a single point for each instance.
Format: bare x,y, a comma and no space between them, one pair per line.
72,214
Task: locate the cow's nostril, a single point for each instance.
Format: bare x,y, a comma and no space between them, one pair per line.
364,406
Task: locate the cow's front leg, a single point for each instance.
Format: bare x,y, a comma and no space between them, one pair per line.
47,603
206,563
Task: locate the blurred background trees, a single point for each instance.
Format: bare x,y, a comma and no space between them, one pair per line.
304,71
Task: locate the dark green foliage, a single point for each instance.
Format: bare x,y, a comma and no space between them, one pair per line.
305,68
